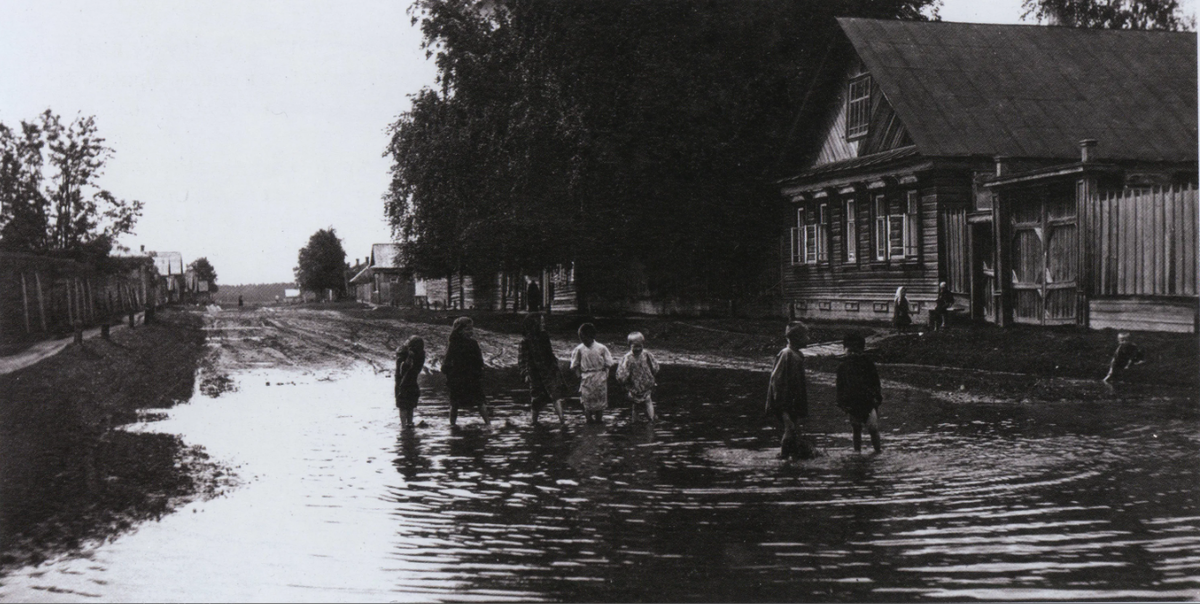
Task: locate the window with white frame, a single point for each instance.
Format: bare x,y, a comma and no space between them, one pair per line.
911,223
858,107
850,232
798,238
810,240
881,227
822,233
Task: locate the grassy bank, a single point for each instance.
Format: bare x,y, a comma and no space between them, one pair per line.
66,476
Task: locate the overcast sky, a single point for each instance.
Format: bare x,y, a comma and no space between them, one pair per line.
244,126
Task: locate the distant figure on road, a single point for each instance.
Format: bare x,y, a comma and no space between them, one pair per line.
858,391
787,393
1126,355
941,308
900,314
463,367
636,372
591,361
533,294
239,301
410,360
539,368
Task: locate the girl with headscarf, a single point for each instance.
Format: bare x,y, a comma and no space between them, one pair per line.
901,317
539,367
463,367
410,360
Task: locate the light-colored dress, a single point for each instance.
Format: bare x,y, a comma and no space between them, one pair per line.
591,363
637,374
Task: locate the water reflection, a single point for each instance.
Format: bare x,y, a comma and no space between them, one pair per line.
1014,501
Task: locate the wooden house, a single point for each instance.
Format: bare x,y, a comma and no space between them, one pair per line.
382,280
958,153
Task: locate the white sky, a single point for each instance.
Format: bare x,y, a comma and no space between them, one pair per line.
244,126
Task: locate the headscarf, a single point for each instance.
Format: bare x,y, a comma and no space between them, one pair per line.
460,324
899,294
414,344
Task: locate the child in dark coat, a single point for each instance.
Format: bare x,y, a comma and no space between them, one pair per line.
858,391
787,393
1126,355
463,367
539,368
410,360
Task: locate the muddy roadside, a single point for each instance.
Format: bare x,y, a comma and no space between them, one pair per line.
68,474
965,362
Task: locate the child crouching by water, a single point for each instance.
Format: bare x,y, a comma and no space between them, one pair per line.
858,391
410,360
591,361
787,393
636,372
1126,355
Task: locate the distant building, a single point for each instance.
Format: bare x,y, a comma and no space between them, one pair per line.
382,280
170,274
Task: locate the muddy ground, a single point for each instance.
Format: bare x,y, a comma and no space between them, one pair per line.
66,474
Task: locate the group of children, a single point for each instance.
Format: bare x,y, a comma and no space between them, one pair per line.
858,390
591,361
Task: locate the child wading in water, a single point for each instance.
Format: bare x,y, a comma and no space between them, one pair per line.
463,367
858,391
539,368
410,360
637,370
787,393
1126,355
591,361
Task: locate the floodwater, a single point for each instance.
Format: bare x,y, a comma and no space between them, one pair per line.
1036,501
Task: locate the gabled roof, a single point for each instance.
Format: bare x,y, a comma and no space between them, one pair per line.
386,255
965,89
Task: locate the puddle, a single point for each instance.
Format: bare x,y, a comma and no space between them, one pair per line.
1055,501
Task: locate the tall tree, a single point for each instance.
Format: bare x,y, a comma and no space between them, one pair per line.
633,138
1110,14
205,272
52,201
322,263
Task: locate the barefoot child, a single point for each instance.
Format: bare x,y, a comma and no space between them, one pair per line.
858,391
591,361
463,367
1126,355
636,372
539,368
410,360
787,393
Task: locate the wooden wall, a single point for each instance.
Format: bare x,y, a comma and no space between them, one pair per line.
1143,242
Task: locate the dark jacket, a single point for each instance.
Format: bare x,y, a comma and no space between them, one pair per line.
408,367
539,367
788,389
463,367
858,390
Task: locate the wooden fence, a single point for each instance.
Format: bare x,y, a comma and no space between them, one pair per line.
42,296
1143,243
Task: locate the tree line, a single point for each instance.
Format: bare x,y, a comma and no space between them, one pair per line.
637,139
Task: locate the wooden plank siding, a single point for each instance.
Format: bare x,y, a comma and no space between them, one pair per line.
1144,243
848,290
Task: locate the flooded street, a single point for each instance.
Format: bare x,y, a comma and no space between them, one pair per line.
1037,501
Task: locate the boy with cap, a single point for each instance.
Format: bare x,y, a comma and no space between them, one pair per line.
858,391
787,393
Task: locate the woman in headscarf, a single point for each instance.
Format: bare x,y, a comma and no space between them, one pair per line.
901,317
539,367
463,367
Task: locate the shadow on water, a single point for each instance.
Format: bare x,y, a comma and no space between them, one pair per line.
1070,500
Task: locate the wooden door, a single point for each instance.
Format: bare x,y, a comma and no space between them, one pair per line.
1045,260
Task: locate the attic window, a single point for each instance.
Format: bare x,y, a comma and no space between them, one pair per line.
858,107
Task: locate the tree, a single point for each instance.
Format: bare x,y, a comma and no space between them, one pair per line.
205,272
321,263
634,133
1110,14
50,200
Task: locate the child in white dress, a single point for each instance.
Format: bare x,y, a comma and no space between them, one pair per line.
636,372
591,361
